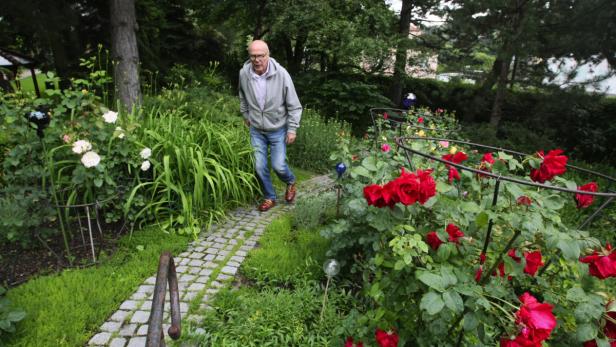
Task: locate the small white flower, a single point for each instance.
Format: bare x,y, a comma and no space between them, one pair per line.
81,146
90,159
121,136
110,116
145,166
145,153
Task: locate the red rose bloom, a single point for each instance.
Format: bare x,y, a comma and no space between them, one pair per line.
583,200
407,188
385,116
487,158
349,343
433,240
454,233
535,321
553,164
482,258
374,195
478,273
420,120
390,194
427,186
386,339
591,343
453,174
457,158
524,200
601,265
533,262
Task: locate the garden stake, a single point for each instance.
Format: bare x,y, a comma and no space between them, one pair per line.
490,222
90,231
83,238
331,268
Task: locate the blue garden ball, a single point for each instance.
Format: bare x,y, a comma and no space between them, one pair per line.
340,169
409,100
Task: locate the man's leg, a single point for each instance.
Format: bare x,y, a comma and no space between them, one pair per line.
278,149
259,142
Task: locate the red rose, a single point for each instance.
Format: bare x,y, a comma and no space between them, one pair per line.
535,322
457,158
453,174
385,116
374,195
478,273
420,120
601,265
407,188
433,240
427,186
553,164
584,200
591,343
349,343
386,339
533,262
482,258
390,194
524,200
454,233
487,158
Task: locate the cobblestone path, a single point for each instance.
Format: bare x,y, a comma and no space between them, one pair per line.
208,264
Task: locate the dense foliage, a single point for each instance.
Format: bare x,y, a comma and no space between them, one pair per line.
414,233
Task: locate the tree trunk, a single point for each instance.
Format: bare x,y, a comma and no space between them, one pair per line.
395,94
501,90
479,105
124,52
258,32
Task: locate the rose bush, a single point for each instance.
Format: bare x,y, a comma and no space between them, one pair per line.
430,267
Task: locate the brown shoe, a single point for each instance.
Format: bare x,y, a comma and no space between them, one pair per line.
289,195
266,205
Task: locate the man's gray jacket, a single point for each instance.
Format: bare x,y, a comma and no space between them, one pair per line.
282,106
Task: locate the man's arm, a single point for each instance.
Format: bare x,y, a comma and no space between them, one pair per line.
243,103
294,107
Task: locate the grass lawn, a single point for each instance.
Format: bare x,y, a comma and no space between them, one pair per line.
27,84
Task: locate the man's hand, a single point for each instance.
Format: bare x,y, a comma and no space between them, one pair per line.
290,138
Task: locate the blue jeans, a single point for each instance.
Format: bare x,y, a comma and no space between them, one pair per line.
275,140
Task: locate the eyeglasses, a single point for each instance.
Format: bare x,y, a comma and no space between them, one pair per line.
254,57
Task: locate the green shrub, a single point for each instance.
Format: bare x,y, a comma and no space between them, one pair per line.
310,212
9,315
286,256
315,139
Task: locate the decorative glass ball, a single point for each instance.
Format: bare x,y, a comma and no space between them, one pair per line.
331,267
409,100
340,169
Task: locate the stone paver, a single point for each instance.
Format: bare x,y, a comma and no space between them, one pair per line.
220,250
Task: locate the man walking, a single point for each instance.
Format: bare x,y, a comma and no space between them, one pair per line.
271,109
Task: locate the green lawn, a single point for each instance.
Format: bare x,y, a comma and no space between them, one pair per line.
27,84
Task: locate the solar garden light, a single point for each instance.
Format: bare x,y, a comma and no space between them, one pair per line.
340,169
41,117
331,268
409,100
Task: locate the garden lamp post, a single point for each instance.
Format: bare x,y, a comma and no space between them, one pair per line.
340,169
409,100
40,118
331,268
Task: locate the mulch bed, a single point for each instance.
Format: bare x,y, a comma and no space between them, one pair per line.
17,265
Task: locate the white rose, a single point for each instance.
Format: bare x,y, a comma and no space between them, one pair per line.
110,117
81,146
90,159
145,166
145,153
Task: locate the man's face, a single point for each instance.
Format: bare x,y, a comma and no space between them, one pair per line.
259,58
